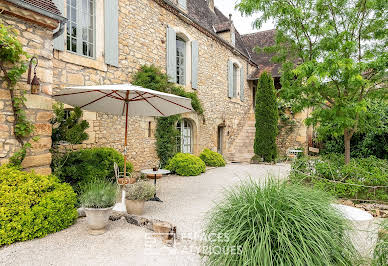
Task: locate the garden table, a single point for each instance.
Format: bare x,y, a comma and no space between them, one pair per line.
155,173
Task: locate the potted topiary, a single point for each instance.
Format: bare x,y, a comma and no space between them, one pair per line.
98,199
137,194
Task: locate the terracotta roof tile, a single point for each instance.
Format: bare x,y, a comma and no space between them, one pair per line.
213,21
46,5
261,39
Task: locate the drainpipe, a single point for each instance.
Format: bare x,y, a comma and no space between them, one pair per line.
60,30
62,20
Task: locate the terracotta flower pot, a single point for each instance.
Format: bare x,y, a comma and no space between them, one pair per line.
98,218
135,206
151,176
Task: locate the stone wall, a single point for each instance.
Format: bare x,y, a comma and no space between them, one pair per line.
36,41
142,40
294,136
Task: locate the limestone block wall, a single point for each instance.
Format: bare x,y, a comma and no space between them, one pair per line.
296,136
36,41
142,40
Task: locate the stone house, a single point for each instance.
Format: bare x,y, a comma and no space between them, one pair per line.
106,42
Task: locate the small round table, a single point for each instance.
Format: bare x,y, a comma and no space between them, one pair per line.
155,173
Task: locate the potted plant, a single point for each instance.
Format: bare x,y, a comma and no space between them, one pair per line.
137,194
98,199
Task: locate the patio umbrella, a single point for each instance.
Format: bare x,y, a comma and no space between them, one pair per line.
125,100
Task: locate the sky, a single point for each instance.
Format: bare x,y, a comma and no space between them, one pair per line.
242,24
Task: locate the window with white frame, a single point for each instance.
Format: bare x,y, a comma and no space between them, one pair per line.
185,138
180,61
81,27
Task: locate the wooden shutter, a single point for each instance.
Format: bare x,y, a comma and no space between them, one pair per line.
194,64
182,3
111,22
242,83
59,42
230,79
171,55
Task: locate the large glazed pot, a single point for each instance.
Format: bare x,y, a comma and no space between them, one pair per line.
98,218
135,206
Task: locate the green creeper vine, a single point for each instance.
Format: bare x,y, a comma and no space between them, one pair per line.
166,135
12,65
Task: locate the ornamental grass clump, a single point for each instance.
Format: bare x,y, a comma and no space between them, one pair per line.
140,191
212,158
276,224
99,194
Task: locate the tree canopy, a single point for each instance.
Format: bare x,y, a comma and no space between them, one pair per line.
334,59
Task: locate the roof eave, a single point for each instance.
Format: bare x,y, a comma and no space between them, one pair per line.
37,10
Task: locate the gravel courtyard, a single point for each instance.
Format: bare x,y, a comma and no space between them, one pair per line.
185,203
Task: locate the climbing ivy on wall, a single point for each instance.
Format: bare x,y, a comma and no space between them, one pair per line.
12,65
153,78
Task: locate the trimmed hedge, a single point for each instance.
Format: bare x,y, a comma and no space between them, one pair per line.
33,206
81,167
186,165
212,158
329,173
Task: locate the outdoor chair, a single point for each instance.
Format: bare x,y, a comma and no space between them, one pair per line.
120,175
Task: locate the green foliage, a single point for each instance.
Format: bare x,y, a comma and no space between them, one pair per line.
98,194
166,136
17,158
380,255
212,158
266,119
185,164
373,142
33,206
332,175
70,129
79,168
153,78
334,59
141,190
276,224
13,66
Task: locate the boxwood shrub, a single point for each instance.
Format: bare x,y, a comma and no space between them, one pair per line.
33,206
186,165
212,158
79,168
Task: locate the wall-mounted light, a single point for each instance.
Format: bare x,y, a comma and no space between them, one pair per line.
35,84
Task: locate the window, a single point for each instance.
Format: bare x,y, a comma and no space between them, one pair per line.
235,77
185,138
180,61
81,27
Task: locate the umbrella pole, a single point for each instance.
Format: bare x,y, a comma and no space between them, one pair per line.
126,140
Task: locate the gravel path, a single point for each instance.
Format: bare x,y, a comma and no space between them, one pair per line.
186,200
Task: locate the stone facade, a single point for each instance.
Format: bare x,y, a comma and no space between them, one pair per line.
37,41
136,49
142,41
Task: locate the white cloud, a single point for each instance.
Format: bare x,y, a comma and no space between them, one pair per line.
242,23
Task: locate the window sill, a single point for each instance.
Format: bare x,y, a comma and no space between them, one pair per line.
235,100
81,60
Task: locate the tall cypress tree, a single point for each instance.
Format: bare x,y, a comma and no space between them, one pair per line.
266,119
